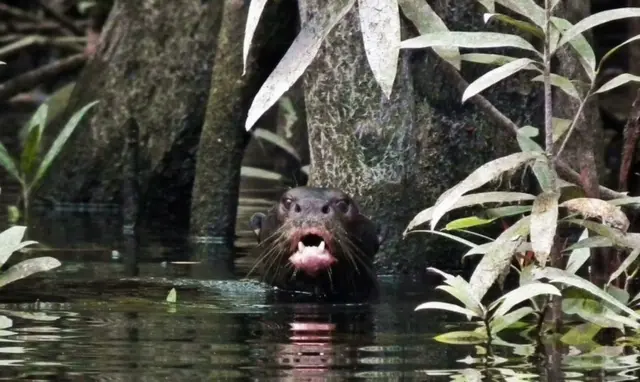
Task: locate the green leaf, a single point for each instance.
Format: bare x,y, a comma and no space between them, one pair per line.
625,264
544,222
619,294
580,45
478,178
563,83
27,268
470,200
461,338
59,142
520,294
427,21
172,296
522,25
468,222
253,17
614,49
598,19
526,8
447,235
597,208
494,76
556,275
464,297
541,170
499,323
446,306
529,132
380,28
560,126
276,140
31,149
501,212
591,242
618,238
476,40
7,250
617,81
8,163
581,334
295,61
259,173
494,262
487,58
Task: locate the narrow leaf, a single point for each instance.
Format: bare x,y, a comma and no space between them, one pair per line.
521,294
462,338
598,19
522,25
556,275
27,268
468,222
526,8
591,242
31,149
295,61
446,306
581,334
276,140
597,208
12,236
447,235
580,45
462,287
579,255
380,26
499,323
487,58
59,142
563,83
7,250
494,76
427,21
619,80
476,40
7,162
633,256
253,17
463,296
478,178
615,49
259,173
541,170
470,200
560,126
501,212
493,263
625,201
544,221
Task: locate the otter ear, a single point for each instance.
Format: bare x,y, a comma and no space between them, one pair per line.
256,223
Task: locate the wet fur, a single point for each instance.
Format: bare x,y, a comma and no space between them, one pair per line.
354,243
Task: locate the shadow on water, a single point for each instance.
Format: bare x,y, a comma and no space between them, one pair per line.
102,315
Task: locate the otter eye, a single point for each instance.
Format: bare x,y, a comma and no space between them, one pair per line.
286,202
343,206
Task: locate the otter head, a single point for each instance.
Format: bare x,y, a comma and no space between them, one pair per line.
315,231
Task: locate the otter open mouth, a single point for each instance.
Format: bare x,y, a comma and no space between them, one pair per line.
312,252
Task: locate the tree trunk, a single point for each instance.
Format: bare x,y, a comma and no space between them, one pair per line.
223,139
397,156
153,65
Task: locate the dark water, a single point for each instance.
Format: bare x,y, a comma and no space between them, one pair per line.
103,316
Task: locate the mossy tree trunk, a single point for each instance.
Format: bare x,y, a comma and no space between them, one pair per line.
397,156
153,64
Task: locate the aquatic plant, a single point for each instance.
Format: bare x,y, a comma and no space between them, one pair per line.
533,239
29,170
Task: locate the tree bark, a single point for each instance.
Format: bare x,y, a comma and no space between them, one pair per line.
397,155
153,64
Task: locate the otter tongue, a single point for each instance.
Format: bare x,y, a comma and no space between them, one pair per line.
312,259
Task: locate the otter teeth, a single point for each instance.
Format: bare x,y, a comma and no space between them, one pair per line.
320,247
300,246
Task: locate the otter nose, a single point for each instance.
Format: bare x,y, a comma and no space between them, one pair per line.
315,207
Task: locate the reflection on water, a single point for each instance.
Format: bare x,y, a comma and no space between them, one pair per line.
103,316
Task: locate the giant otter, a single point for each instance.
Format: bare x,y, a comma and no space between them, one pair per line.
316,240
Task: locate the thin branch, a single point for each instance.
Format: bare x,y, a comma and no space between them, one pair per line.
500,119
18,13
63,20
63,42
33,78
